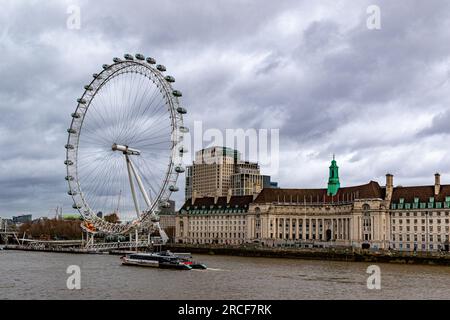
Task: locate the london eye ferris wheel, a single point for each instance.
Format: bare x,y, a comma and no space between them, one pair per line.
124,148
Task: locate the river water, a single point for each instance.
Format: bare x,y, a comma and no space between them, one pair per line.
35,275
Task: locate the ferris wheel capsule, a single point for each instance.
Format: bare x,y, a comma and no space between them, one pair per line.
177,93
169,79
161,68
179,169
164,204
105,66
139,56
116,60
81,101
181,110
150,60
128,56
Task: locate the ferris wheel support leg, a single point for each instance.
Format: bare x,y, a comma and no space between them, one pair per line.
137,239
140,184
133,192
162,233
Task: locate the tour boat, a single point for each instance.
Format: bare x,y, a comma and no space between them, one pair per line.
165,259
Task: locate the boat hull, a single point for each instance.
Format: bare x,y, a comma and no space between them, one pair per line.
154,264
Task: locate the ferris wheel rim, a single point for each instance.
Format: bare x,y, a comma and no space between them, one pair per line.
171,175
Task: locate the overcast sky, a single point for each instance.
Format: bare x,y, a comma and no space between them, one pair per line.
378,99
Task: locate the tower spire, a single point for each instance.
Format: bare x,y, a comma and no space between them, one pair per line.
333,180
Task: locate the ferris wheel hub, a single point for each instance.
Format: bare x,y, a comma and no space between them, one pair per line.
125,149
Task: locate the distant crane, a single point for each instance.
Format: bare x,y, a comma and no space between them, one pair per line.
118,204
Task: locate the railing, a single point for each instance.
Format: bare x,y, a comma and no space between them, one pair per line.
117,245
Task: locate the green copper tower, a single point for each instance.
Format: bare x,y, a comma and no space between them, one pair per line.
333,180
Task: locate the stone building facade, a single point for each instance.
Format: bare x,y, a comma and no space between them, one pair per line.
219,220
364,216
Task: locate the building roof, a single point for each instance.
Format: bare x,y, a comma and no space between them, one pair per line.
371,190
239,202
424,193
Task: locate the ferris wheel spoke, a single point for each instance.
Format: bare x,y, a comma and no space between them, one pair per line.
148,132
147,168
155,130
143,96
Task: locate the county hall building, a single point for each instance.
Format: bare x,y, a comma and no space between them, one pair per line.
364,216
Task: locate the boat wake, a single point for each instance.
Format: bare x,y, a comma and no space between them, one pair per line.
216,269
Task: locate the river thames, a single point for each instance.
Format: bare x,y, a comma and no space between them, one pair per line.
35,275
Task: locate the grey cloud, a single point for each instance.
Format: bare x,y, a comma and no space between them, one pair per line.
311,83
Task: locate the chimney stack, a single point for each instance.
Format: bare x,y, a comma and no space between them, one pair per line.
389,186
194,197
216,197
229,194
437,183
256,190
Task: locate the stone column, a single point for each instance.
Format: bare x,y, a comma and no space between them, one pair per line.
372,229
338,226
332,229
317,229
310,229
290,228
275,228
303,229
345,228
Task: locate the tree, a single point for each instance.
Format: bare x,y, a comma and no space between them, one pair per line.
112,218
